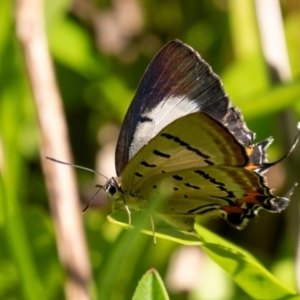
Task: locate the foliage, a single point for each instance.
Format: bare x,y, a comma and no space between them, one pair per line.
97,84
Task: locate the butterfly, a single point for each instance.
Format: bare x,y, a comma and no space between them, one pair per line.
183,138
182,134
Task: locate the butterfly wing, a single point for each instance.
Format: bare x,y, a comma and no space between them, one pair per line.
236,194
177,82
195,140
205,168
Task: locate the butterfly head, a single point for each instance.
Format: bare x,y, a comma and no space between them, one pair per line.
114,194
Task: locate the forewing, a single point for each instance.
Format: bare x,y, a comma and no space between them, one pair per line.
177,82
192,141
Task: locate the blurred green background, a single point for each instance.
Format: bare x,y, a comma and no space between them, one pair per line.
100,50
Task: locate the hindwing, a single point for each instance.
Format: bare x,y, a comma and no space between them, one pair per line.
234,193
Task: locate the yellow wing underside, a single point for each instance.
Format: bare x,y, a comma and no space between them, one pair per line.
193,141
199,165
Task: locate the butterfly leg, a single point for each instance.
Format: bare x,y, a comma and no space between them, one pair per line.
128,212
153,230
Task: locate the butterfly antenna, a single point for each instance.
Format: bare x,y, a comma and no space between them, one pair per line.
76,166
90,202
86,169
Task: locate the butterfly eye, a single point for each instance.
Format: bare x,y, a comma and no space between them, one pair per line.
112,190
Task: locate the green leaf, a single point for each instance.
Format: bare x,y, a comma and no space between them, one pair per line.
150,287
162,229
243,268
12,225
240,265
